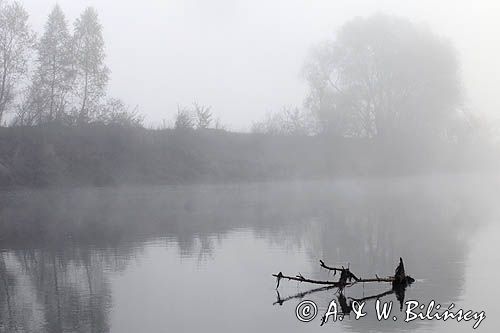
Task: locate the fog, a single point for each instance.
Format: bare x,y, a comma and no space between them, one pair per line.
208,165
137,259
244,58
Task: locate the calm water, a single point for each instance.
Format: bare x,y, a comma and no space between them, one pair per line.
200,258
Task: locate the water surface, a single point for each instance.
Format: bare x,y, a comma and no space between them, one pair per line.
200,258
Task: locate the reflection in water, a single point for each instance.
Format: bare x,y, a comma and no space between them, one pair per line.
69,291
345,305
65,253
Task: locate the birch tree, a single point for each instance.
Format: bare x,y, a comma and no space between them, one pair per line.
54,74
16,44
91,72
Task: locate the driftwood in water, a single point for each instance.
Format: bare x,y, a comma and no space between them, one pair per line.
400,279
345,273
300,278
399,283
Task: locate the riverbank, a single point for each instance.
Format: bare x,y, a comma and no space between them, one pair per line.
100,155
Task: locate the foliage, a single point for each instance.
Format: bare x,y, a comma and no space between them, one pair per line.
290,121
91,73
197,117
54,75
382,77
16,44
184,119
203,116
115,112
68,84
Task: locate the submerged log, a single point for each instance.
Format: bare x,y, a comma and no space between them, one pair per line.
399,283
300,278
399,280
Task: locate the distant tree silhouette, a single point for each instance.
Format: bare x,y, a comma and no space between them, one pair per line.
203,116
383,76
289,121
184,119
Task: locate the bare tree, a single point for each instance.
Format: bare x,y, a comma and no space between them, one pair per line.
30,110
184,119
203,116
16,44
91,72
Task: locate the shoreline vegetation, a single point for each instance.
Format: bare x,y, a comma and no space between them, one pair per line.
102,155
375,107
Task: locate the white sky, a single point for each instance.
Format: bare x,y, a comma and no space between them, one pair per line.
244,57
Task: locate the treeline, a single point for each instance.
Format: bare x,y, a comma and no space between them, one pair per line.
384,99
58,77
98,154
382,77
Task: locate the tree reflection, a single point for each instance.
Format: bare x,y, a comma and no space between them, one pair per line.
59,247
72,294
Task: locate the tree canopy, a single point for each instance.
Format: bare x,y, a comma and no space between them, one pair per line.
69,77
383,76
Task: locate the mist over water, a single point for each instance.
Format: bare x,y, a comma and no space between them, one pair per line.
141,258
204,166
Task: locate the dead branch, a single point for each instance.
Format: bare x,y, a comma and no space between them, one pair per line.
378,279
300,278
346,271
346,276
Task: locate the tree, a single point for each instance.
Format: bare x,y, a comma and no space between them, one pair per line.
289,121
54,74
16,44
30,110
91,72
183,119
203,116
218,125
115,112
383,76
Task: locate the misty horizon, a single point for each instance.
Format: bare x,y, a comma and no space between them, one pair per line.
245,59
285,163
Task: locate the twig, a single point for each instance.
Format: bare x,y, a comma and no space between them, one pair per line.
300,278
348,273
378,279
